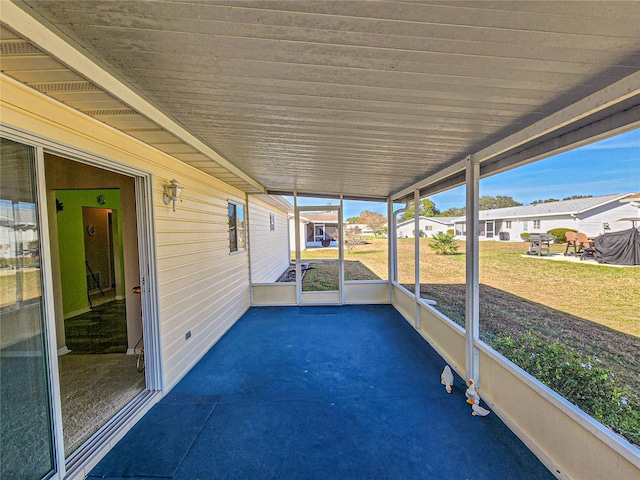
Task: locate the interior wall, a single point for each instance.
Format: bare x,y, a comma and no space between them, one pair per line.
202,288
73,237
97,247
76,185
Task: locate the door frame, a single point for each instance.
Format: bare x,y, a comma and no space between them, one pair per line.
489,233
316,298
99,442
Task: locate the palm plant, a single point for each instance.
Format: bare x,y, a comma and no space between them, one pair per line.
444,243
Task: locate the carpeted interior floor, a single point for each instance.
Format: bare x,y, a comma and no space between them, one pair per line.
93,388
103,329
346,392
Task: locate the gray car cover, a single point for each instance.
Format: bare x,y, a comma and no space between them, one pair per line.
618,248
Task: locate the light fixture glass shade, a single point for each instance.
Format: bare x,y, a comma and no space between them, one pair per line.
172,193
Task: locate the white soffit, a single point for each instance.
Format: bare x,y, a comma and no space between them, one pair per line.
366,99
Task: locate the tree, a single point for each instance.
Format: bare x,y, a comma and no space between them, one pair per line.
501,201
548,200
352,237
353,220
374,220
453,212
575,197
427,209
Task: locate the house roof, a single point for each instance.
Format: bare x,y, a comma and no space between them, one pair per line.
278,202
321,217
442,220
564,207
365,99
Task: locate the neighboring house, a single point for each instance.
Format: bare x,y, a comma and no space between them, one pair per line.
17,229
428,226
320,230
302,229
314,227
634,218
364,229
592,216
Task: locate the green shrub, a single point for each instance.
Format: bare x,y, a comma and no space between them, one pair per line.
558,234
444,243
450,231
525,236
580,379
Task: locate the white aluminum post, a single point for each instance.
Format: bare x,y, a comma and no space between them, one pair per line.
341,251
472,310
416,235
296,221
391,248
247,243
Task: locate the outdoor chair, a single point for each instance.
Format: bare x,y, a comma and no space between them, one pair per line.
539,244
585,245
572,242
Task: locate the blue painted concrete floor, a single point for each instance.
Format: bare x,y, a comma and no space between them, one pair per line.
349,392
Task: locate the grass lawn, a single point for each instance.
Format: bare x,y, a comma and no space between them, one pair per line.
604,295
30,285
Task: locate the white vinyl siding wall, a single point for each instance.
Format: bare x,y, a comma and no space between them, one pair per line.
591,221
202,288
427,225
269,250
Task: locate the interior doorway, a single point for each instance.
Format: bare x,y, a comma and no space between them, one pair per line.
95,265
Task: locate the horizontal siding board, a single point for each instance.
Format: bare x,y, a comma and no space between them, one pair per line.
205,333
201,286
269,250
190,284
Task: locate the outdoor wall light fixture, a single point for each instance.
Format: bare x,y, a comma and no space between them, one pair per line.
172,193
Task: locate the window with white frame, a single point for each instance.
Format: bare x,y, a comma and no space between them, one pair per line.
428,227
507,224
272,222
236,227
525,226
536,224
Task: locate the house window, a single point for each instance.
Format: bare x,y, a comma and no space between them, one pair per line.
507,224
525,226
536,224
236,227
272,222
428,227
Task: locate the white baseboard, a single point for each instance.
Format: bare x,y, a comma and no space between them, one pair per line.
75,313
63,351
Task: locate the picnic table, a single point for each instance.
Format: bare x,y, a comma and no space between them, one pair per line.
540,244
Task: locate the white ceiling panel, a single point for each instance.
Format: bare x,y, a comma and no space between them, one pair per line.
355,97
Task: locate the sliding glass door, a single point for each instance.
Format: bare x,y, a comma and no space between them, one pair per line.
26,438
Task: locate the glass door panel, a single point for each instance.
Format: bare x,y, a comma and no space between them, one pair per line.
26,439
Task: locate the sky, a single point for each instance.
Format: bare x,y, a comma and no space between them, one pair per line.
601,168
